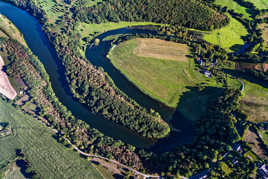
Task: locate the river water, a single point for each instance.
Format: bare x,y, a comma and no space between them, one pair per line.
41,47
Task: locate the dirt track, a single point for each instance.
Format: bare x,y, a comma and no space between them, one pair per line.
5,87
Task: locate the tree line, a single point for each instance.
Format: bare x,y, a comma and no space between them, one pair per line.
188,13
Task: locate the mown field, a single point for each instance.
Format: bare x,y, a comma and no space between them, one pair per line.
231,4
229,36
48,158
162,78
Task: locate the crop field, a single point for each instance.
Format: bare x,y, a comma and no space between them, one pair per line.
163,79
7,29
229,36
47,157
260,4
255,102
231,4
255,143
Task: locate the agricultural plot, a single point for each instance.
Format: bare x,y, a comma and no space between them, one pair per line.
255,143
165,75
229,36
255,102
48,158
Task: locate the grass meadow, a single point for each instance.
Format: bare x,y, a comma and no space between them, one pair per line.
228,36
231,4
163,79
48,158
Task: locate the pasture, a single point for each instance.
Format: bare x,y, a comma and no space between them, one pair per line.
231,4
48,158
164,76
228,36
255,102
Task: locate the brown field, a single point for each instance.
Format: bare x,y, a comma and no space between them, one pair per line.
256,108
252,66
161,49
255,143
264,28
5,87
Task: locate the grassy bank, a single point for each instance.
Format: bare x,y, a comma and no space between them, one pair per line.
49,158
228,36
9,30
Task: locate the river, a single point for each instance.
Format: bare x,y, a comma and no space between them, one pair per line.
41,47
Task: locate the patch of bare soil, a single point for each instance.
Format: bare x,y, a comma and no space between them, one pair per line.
161,49
5,86
255,142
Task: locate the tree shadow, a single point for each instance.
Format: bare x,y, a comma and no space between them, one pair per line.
246,76
4,124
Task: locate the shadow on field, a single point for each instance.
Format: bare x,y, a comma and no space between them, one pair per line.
193,103
245,76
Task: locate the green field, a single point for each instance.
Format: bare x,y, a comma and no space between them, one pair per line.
261,4
231,4
227,36
162,79
264,135
48,158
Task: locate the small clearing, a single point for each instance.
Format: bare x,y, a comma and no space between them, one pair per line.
161,49
5,86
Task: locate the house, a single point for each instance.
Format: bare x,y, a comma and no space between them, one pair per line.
199,61
207,74
263,171
238,148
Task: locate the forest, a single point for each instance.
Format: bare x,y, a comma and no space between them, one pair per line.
215,131
189,13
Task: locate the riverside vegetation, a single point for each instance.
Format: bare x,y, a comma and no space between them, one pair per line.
183,160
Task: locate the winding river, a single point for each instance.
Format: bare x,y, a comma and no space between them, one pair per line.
41,47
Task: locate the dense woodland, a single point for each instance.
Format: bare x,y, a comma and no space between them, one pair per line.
215,132
37,86
172,12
